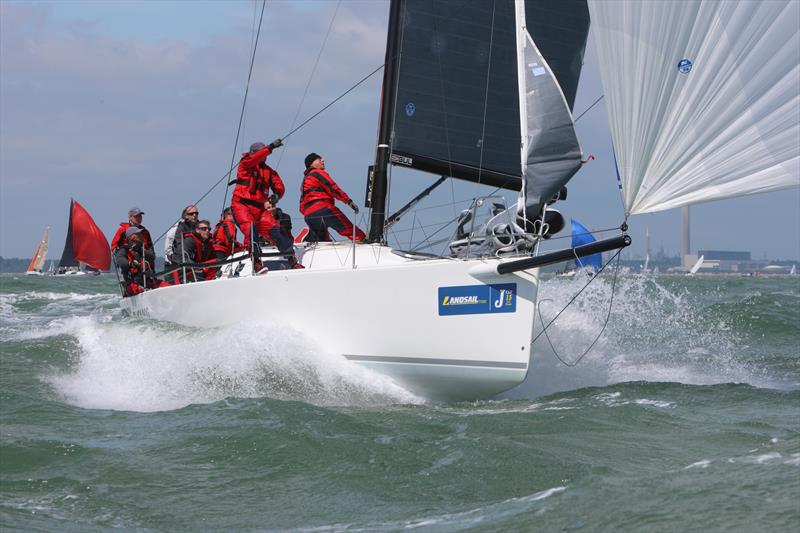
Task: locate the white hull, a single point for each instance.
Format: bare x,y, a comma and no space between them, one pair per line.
386,315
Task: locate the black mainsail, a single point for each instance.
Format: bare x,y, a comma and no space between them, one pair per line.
452,100
68,255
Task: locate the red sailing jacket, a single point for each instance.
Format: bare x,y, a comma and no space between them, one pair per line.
254,178
120,240
200,252
224,238
319,190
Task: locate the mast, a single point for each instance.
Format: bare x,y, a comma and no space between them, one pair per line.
377,187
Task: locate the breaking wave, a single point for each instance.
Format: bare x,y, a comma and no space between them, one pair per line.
148,366
655,333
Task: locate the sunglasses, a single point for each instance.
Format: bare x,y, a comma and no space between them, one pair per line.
193,213
203,228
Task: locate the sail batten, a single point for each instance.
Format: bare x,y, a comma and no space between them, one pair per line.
702,96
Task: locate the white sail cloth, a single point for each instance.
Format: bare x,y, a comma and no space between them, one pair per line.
703,97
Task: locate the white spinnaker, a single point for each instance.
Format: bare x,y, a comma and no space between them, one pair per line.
728,127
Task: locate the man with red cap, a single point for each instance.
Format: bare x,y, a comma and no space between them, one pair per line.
317,196
134,220
252,202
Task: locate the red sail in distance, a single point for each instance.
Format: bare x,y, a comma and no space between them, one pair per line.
89,245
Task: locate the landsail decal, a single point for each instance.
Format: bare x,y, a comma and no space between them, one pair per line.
702,97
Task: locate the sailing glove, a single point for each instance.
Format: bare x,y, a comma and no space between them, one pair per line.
275,144
353,206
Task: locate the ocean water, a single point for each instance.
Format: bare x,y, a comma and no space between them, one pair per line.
684,416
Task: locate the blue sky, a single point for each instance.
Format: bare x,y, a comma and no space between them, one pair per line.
129,103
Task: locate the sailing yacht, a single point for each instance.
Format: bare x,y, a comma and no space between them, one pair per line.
697,266
449,327
483,92
36,266
85,248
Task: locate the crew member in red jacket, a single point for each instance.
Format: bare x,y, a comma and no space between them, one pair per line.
135,265
252,202
197,248
224,238
134,219
317,196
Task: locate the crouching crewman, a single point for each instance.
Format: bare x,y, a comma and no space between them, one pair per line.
135,263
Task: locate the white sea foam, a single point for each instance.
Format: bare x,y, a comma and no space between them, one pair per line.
699,464
469,519
653,334
146,366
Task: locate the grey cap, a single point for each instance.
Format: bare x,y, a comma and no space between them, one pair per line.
255,147
134,212
133,230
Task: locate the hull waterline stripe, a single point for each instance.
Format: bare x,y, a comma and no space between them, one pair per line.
432,361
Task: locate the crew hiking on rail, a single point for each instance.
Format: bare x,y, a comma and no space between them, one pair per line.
258,189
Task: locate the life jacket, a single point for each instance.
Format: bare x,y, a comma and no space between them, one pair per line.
120,240
255,179
318,190
199,256
224,239
135,280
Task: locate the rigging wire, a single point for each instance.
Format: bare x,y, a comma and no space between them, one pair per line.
589,108
311,77
244,100
486,95
608,315
234,165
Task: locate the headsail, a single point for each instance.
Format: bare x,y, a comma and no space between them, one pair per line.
37,263
703,97
551,153
85,241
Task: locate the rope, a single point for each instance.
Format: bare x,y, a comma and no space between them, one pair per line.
608,316
311,76
244,100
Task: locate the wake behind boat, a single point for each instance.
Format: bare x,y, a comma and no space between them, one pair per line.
459,325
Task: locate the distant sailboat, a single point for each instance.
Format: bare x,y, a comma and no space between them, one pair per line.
696,266
793,271
37,263
86,246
